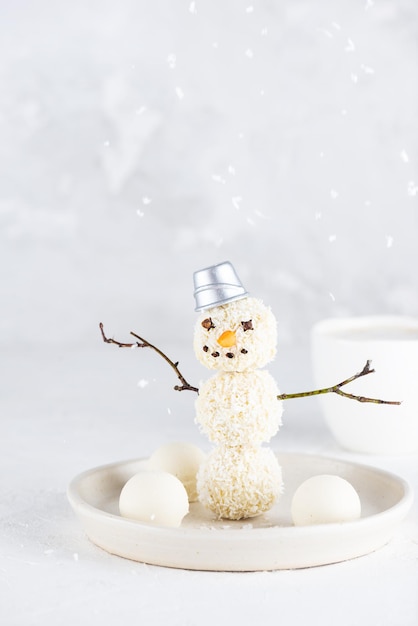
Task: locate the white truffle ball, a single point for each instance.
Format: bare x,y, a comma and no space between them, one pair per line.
181,459
324,499
155,497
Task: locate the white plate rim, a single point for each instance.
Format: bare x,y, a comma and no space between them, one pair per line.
382,524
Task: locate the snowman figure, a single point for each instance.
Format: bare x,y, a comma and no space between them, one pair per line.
238,408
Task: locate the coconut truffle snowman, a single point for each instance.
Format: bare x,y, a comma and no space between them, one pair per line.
237,408
240,407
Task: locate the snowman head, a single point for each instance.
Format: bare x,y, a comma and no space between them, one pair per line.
237,336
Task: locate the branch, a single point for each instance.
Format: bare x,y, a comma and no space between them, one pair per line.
143,343
337,389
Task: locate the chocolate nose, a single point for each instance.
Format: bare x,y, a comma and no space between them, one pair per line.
227,339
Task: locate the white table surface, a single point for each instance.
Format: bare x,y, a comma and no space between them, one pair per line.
65,411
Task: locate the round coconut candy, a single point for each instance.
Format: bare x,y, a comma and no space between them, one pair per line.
155,497
181,459
324,499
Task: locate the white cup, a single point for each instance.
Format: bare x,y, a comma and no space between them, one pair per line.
340,348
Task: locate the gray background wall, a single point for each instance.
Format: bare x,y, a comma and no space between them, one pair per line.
141,141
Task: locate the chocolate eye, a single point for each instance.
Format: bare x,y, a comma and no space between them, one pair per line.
208,324
247,325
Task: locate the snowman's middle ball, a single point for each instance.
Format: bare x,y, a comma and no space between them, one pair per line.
239,408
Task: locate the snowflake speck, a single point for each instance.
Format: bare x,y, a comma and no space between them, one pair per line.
412,188
367,69
350,47
336,26
331,295
171,60
192,8
146,200
142,383
236,201
354,78
334,194
389,241
264,32
179,93
318,215
140,213
332,238
249,9
404,156
231,170
249,53
218,179
141,110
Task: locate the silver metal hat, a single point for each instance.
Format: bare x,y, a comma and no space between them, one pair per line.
216,285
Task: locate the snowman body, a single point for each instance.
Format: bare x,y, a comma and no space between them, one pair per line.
238,409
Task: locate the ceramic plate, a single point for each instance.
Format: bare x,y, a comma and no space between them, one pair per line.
267,542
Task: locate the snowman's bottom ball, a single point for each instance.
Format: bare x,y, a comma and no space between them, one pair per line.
239,482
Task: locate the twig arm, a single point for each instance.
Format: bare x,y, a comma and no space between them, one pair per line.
143,343
337,389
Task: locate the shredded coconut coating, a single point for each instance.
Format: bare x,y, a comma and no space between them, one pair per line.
239,408
237,483
255,346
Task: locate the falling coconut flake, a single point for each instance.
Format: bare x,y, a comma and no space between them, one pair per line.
142,383
404,156
236,201
179,93
171,60
412,188
326,32
350,47
367,69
